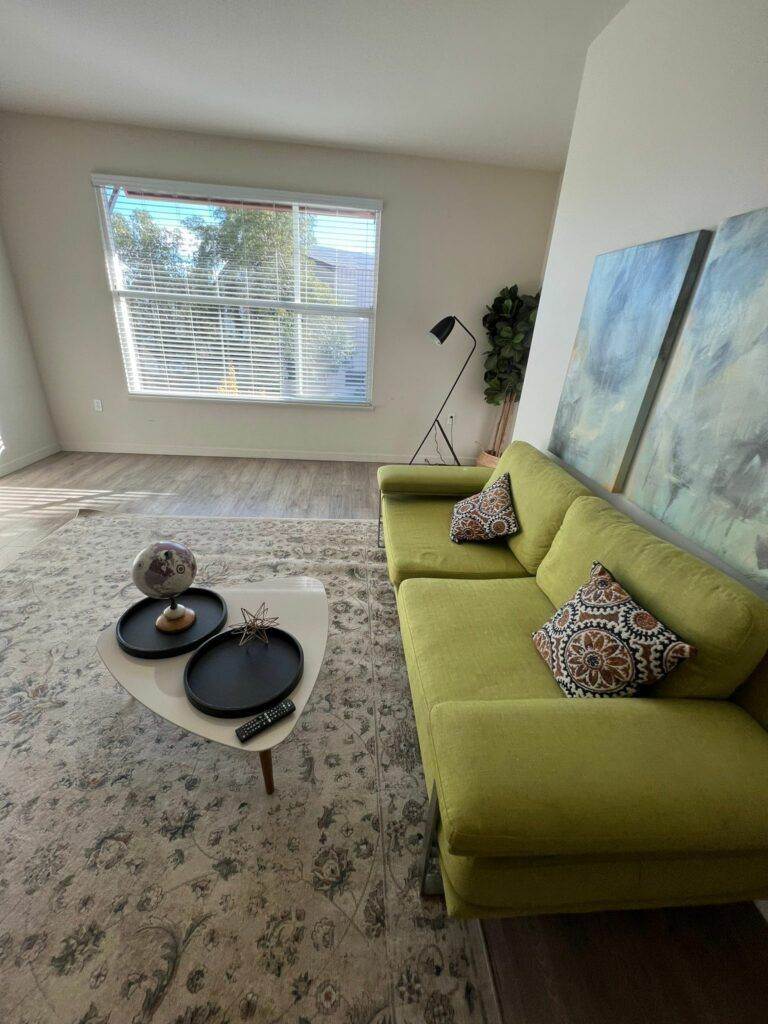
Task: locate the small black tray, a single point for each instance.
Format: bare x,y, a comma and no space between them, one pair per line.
229,681
137,634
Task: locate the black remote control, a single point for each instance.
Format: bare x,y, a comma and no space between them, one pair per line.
264,719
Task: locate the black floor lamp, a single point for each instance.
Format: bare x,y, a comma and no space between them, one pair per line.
441,331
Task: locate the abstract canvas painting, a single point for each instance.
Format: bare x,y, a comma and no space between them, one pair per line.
632,313
702,464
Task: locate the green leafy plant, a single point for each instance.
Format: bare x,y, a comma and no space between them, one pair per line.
509,324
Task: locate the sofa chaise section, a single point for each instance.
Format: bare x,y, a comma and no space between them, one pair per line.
594,787
600,778
416,507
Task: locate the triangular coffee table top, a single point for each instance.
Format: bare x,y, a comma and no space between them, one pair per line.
301,605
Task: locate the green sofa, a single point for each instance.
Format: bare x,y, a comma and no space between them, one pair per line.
541,804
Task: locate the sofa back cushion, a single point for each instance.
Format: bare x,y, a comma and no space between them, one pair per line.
725,621
542,492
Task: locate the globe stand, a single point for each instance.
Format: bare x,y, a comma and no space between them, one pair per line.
175,618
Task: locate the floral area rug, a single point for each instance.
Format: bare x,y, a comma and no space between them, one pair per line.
145,875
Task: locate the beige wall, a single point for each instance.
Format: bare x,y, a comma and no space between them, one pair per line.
26,431
452,234
670,134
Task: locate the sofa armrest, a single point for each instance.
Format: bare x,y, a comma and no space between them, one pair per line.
446,481
628,776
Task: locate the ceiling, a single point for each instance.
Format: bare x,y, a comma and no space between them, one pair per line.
494,81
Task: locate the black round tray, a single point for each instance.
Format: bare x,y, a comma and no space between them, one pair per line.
137,634
229,681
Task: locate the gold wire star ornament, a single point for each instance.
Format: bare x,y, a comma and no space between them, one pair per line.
256,625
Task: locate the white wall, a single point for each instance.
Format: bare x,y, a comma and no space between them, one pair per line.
670,134
452,234
26,431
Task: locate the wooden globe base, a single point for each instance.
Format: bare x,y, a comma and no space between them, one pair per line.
178,624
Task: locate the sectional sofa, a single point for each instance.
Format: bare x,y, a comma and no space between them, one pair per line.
543,804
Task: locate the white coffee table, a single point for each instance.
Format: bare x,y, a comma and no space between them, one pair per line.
300,603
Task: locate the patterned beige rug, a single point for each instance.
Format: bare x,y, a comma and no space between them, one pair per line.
145,876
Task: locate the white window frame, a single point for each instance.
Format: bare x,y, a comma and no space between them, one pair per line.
197,190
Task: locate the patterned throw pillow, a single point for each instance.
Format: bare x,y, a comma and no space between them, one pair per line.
601,643
486,515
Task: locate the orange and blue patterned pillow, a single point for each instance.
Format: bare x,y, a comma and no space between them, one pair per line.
485,516
601,643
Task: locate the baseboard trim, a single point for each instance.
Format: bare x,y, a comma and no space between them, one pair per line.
467,458
26,460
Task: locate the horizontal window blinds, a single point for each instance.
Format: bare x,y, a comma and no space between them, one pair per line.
251,295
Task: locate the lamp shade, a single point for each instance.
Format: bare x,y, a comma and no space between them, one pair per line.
443,328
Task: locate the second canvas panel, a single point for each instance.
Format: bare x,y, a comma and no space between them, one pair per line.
702,464
635,303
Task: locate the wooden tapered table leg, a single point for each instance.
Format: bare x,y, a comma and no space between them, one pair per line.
265,756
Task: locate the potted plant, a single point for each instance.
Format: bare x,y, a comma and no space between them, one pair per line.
509,325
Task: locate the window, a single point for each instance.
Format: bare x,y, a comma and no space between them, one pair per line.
241,293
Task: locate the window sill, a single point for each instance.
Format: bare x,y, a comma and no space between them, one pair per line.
285,403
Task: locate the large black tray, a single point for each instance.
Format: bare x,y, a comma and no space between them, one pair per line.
137,634
229,681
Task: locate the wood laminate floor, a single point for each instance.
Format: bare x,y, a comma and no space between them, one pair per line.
706,965
38,499
681,965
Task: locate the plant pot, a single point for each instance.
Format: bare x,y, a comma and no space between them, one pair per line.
486,459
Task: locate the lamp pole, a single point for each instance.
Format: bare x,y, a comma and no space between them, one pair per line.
441,331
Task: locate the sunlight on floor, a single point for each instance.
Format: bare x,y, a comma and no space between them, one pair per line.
39,502
29,514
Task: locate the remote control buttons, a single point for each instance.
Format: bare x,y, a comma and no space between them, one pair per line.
264,720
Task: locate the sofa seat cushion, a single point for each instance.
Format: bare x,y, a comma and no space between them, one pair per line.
727,623
542,492
417,537
599,778
471,639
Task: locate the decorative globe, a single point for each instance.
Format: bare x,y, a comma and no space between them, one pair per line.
164,569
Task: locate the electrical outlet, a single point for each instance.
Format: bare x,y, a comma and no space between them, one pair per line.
97,405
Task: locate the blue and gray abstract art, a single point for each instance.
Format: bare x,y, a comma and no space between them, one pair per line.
702,463
632,312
